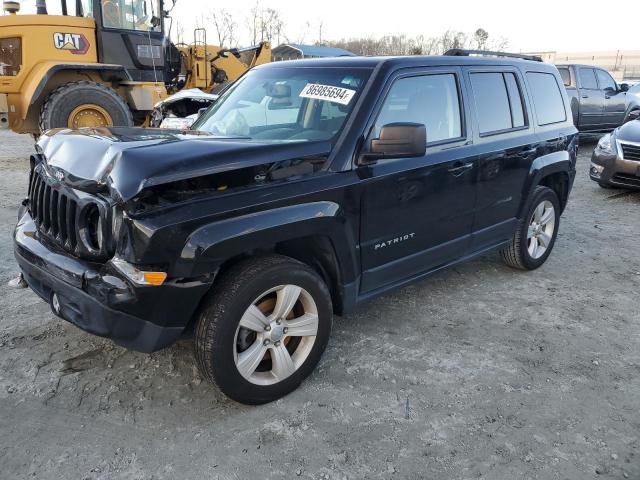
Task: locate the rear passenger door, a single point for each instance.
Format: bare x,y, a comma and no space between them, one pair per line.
506,146
591,100
417,213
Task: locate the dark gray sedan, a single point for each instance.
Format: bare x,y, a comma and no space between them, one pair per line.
616,159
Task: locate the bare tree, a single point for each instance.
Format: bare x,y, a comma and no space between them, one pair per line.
481,36
265,24
420,45
499,44
253,22
179,32
272,25
303,33
225,27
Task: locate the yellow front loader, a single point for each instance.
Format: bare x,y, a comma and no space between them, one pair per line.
106,63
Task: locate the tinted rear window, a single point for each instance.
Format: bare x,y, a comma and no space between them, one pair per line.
547,98
498,101
588,78
492,102
565,75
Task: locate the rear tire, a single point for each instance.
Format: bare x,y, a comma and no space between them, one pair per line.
84,104
245,338
536,233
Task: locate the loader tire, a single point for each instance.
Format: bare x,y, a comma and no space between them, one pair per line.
84,104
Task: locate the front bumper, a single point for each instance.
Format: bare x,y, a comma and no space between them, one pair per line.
4,112
616,171
97,299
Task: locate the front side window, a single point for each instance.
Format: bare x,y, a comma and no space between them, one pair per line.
587,78
547,98
606,82
498,101
10,56
131,14
286,104
431,100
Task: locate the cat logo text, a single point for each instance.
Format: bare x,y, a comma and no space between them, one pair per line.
75,43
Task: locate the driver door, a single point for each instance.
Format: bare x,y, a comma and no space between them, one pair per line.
417,213
614,100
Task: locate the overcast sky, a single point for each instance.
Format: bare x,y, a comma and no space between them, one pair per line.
533,25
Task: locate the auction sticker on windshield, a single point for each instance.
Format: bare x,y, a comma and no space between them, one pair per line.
328,92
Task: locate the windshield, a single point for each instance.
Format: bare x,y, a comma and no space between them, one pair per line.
286,104
131,14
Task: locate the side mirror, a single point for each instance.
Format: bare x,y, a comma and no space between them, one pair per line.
624,87
398,140
201,111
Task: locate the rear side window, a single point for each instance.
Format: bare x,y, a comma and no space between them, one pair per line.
547,98
498,102
566,76
431,100
606,82
588,78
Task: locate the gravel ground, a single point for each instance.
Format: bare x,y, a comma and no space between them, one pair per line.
478,372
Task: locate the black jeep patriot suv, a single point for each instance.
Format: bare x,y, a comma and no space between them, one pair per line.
307,188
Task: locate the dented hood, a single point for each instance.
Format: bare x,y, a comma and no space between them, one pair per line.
125,161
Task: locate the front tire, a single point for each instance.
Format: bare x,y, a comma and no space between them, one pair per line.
536,233
84,104
263,328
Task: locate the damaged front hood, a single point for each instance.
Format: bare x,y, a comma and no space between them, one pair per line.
127,160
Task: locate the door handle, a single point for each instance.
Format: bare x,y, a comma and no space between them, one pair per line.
460,168
607,97
585,96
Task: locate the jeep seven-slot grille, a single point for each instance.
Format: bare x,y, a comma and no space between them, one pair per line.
630,151
53,212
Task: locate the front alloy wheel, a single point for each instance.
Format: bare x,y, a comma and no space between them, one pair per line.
276,335
263,328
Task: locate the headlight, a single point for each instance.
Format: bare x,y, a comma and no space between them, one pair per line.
90,229
605,144
136,275
116,224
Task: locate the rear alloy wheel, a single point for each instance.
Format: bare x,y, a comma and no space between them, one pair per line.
263,328
541,229
536,233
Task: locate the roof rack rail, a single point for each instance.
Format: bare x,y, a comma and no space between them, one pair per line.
460,52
